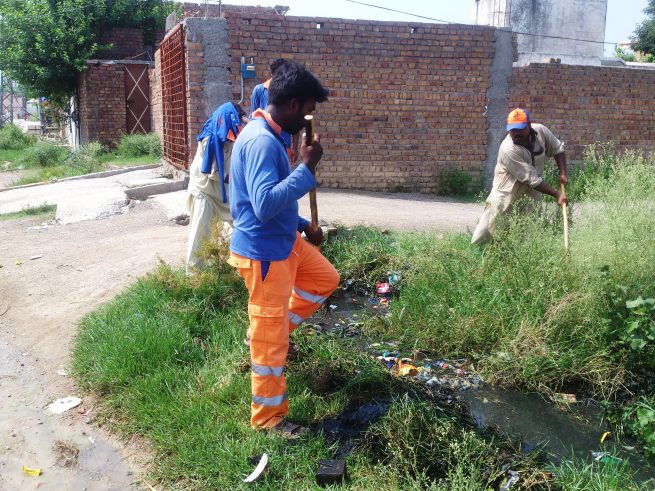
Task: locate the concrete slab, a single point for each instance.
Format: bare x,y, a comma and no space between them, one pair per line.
80,200
173,204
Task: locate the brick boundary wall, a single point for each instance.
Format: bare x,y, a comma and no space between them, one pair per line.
586,104
102,103
406,100
127,43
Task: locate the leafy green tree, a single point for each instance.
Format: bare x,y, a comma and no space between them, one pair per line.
44,44
644,39
621,53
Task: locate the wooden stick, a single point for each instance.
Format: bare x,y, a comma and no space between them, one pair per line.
566,220
309,139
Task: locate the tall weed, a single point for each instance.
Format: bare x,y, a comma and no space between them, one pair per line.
43,154
138,145
13,138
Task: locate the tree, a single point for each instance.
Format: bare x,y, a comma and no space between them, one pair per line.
44,44
644,39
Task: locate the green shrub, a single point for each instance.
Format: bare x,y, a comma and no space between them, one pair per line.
454,182
140,145
80,162
44,154
13,138
93,149
639,421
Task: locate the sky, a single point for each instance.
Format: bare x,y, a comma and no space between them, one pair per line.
622,15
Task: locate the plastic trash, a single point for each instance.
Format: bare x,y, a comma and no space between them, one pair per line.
63,405
38,256
394,279
407,370
566,398
605,458
604,437
510,481
261,466
330,472
382,288
30,471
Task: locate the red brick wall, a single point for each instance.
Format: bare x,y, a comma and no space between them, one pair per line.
127,43
585,104
403,106
102,103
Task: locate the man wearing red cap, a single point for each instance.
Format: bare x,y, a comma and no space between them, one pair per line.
519,168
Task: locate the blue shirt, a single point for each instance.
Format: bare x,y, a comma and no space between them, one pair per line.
264,194
259,100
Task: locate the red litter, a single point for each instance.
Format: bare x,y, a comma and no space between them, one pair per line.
382,288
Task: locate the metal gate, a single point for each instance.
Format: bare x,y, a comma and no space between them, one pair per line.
137,99
173,87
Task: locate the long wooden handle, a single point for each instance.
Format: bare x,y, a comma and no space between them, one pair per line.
566,220
309,139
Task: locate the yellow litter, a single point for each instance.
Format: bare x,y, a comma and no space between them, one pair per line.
604,437
31,472
407,370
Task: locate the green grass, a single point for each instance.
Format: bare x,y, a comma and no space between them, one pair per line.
116,160
50,162
528,315
12,156
168,360
583,476
30,212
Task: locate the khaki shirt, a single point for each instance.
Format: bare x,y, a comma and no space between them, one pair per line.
515,174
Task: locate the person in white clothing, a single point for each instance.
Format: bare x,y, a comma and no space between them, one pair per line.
207,194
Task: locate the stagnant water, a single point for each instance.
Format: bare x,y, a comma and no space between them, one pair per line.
563,430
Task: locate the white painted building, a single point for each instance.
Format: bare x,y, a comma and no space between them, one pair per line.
541,24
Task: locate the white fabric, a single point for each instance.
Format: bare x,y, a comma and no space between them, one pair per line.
514,176
204,203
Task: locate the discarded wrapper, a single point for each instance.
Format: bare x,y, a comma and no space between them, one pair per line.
382,288
258,470
605,457
604,437
30,471
407,369
394,279
63,405
566,398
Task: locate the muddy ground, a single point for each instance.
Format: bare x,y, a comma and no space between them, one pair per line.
82,265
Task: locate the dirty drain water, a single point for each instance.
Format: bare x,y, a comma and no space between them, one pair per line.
576,429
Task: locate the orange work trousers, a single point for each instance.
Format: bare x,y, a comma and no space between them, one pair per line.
291,291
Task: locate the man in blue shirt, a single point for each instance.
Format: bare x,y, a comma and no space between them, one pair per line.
286,277
259,100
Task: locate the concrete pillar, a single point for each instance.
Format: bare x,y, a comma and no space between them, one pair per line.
498,99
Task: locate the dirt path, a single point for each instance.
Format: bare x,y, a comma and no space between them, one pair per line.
83,265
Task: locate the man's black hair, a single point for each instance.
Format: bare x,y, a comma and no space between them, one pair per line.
277,63
294,81
239,110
